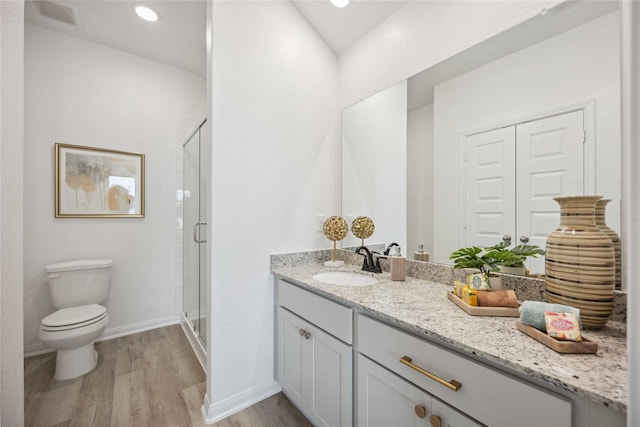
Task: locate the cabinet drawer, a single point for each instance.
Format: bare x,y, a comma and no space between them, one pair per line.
334,318
385,399
491,397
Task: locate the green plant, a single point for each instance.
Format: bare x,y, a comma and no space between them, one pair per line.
521,252
490,259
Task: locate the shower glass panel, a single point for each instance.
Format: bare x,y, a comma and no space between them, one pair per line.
194,235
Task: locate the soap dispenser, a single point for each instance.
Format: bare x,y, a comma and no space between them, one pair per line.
398,265
420,254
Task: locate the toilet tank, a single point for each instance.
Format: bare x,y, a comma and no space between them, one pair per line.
79,282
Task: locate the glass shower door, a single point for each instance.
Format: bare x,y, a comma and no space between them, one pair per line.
194,235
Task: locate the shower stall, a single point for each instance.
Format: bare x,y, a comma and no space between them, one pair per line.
194,236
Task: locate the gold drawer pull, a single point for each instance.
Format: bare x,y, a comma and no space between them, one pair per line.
421,411
453,384
435,421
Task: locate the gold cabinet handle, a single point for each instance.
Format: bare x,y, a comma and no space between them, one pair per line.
453,384
435,421
304,334
421,411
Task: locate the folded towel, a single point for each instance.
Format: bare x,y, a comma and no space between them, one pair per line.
506,298
532,313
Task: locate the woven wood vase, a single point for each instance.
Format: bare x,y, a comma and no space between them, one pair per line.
615,238
580,262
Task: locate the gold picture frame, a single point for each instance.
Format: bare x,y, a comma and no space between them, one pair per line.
98,183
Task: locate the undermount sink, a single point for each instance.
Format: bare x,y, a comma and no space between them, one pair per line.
345,278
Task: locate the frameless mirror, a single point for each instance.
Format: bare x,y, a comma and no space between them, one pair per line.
374,152
564,63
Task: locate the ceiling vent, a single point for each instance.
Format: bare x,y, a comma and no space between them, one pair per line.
57,10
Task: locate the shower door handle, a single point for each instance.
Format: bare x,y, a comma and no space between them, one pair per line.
196,229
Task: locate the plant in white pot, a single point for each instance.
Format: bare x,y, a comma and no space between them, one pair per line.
487,260
515,264
494,259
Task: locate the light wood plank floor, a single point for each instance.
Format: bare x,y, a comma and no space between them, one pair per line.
147,379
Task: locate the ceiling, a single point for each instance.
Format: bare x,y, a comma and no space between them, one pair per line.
178,38
340,28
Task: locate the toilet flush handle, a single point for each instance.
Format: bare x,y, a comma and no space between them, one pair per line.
53,276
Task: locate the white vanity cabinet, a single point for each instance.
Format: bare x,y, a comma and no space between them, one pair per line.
484,394
385,399
314,355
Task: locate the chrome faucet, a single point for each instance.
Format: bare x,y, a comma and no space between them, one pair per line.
368,264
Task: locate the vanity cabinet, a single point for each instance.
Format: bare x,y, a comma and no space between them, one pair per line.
484,394
385,399
314,355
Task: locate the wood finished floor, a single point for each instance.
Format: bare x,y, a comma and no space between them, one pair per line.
147,379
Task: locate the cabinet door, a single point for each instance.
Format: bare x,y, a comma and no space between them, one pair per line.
449,417
315,371
291,357
384,399
490,186
331,400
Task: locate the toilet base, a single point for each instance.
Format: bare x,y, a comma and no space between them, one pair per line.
74,363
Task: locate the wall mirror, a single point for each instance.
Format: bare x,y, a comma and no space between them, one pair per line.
406,158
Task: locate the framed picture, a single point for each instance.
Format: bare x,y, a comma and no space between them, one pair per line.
98,183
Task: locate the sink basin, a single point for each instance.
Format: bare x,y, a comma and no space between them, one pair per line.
345,278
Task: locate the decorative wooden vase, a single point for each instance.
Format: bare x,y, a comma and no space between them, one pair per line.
580,263
615,238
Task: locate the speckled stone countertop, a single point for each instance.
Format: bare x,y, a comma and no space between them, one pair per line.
422,307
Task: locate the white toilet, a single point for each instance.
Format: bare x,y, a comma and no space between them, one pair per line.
78,290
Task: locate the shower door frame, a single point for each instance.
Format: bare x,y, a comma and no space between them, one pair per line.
194,240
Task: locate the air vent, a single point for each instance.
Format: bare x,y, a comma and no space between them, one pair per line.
57,10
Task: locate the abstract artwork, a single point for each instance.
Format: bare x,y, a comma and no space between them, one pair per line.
95,182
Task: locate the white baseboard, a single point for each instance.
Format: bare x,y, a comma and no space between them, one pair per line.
111,333
215,412
196,344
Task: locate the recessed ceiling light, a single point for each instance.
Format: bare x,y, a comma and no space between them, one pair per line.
340,3
147,13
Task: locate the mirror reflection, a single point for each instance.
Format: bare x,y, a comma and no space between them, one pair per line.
492,135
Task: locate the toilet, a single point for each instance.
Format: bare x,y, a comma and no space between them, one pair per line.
79,290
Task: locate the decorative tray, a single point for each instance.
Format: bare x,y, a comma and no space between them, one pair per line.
584,347
483,311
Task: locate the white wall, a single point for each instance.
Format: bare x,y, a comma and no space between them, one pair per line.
78,92
374,164
274,162
420,35
420,179
630,135
571,68
11,212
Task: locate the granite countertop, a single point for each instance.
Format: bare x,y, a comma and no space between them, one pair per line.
422,307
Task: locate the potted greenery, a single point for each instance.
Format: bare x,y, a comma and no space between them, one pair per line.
494,259
515,265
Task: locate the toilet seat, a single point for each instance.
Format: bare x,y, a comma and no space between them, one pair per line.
74,317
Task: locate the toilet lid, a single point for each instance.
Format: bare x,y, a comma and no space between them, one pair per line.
74,315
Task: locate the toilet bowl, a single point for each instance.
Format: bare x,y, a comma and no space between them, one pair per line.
72,332
78,289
